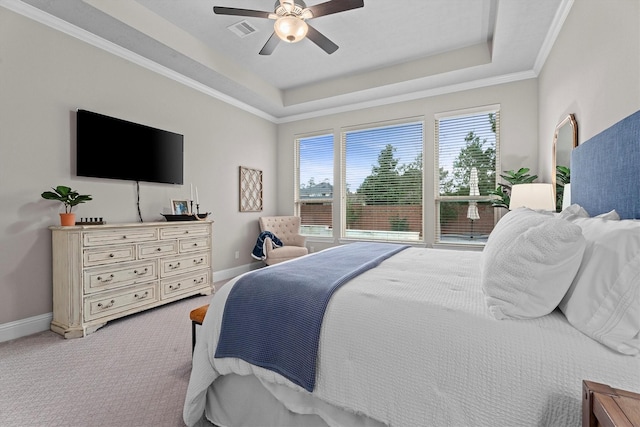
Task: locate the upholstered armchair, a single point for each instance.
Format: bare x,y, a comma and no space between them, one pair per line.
287,229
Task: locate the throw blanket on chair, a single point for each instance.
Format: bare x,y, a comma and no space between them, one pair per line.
273,316
259,250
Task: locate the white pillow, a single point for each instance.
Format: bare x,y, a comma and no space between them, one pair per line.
529,262
576,211
604,299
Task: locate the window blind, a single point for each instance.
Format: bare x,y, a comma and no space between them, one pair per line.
383,182
467,148
314,194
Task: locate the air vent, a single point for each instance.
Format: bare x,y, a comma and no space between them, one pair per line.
243,29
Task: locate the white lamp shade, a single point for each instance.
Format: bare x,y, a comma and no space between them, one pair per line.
290,28
566,196
533,196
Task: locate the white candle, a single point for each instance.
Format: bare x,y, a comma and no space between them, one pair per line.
191,198
197,198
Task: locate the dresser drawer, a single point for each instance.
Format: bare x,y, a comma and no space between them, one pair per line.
103,278
192,245
113,237
176,286
110,255
181,265
184,231
156,249
110,303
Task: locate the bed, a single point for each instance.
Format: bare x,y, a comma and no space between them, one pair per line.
441,337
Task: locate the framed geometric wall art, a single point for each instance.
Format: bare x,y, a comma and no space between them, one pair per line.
250,190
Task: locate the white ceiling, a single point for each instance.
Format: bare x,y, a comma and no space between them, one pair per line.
389,50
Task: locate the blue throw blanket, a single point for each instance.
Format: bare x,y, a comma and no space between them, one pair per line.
259,251
273,316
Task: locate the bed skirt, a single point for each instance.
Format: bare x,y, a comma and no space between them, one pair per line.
236,400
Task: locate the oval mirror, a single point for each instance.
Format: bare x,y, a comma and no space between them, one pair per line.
565,139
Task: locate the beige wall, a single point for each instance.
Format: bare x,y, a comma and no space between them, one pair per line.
518,133
45,76
593,71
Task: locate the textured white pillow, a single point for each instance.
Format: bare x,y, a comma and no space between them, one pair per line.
576,211
604,299
529,263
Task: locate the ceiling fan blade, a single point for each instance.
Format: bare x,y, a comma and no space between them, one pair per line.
270,45
242,12
321,40
332,6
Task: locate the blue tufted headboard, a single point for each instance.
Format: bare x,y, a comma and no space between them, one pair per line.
605,170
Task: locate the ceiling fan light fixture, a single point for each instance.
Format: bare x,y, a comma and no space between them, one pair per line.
290,28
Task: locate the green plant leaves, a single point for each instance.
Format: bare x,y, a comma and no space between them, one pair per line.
67,196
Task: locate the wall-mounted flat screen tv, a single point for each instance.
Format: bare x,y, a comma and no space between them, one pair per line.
113,148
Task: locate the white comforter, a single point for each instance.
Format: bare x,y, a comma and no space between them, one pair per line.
412,343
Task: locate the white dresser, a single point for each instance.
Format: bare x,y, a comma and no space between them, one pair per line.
103,272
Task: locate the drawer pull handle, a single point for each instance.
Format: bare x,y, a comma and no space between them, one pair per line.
186,232
195,244
143,296
176,287
104,307
159,249
197,282
108,279
124,237
141,273
200,261
111,255
173,267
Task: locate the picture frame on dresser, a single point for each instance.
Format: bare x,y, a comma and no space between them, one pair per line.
180,207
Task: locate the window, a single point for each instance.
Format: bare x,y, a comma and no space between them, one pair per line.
314,195
466,152
382,188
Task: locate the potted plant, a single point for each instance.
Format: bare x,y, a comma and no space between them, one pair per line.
69,198
503,191
563,177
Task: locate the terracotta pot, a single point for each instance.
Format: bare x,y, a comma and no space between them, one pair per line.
67,219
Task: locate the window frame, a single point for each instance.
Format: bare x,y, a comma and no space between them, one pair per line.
467,112
343,173
297,198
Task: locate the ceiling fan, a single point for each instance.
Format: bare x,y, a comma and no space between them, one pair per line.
291,17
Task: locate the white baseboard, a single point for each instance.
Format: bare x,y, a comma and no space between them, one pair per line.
236,271
32,325
22,328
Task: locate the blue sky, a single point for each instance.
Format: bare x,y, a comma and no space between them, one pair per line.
364,146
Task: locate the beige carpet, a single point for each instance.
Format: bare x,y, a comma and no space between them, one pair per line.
132,372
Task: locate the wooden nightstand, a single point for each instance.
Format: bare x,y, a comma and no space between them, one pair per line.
606,406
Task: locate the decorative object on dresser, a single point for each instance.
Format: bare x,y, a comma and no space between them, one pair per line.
104,272
69,198
606,406
180,207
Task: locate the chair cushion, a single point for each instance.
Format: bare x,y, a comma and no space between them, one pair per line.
286,228
286,253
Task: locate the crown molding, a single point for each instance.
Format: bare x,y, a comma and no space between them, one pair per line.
65,27
427,93
51,21
552,35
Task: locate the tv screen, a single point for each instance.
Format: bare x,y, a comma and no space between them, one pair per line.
113,148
